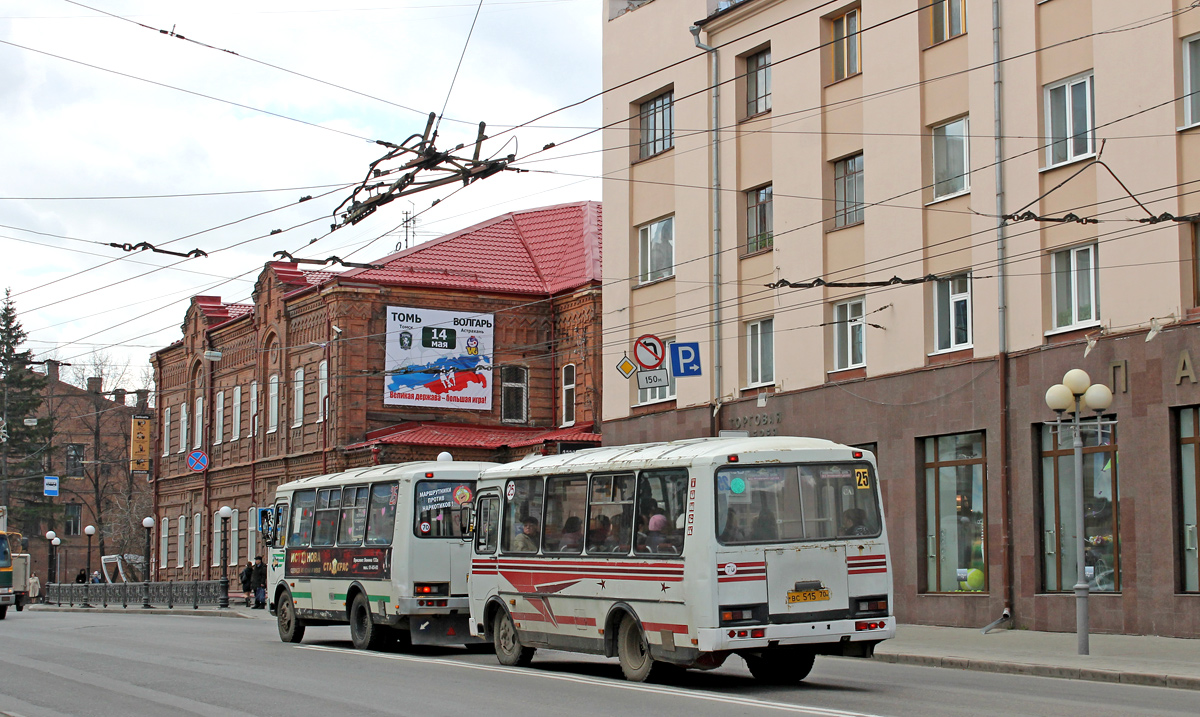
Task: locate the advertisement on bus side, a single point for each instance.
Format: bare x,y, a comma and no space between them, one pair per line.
373,563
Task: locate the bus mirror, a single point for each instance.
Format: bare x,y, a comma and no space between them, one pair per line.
466,522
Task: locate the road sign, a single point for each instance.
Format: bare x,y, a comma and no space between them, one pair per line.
50,485
197,461
30,422
685,359
649,351
139,444
653,379
626,367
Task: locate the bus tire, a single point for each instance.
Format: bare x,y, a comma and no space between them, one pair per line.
780,667
634,653
509,650
291,627
364,633
3,611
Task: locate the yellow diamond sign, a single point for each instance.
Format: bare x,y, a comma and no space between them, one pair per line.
626,367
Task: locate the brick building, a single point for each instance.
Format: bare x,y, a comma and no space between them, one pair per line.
484,342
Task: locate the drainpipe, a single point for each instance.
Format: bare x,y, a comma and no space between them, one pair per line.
715,168
206,446
1002,312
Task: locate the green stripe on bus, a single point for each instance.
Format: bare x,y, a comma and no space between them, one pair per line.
302,595
370,598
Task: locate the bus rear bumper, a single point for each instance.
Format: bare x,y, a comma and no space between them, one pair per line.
810,633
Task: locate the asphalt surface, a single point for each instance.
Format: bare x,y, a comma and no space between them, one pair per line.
55,663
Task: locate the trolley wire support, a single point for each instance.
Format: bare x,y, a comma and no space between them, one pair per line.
144,246
422,167
286,256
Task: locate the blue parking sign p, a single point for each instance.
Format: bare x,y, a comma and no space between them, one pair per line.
685,359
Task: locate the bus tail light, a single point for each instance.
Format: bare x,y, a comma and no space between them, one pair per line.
732,459
433,603
758,632
873,605
431,588
870,625
857,454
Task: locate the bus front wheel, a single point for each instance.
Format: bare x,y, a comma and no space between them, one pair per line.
291,627
509,650
781,666
634,654
364,633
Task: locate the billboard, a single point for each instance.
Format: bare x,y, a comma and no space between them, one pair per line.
438,359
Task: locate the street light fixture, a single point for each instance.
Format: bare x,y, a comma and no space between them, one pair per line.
50,538
225,512
89,531
1076,393
148,524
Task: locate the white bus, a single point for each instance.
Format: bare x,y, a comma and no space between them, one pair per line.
685,553
378,548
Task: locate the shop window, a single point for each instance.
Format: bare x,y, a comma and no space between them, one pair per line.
956,513
1189,497
1101,498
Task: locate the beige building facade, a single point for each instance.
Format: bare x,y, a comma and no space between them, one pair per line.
896,224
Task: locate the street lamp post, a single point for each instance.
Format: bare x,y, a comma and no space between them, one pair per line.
1074,394
51,536
224,512
89,531
148,524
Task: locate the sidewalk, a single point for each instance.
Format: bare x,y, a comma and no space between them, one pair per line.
1131,659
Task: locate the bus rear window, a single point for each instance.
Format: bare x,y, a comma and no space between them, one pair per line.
438,503
767,504
5,553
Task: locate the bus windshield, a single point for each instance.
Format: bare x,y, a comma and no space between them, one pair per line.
772,504
5,554
438,503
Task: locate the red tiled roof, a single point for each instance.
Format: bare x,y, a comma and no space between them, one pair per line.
291,274
536,251
451,435
216,312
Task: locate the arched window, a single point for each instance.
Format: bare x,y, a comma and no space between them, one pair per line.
568,394
273,403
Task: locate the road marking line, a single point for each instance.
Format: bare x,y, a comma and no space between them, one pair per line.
633,686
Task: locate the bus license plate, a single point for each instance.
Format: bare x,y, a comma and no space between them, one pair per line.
795,596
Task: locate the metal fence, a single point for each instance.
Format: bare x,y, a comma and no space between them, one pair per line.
162,594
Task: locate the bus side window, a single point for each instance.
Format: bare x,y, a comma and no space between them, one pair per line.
522,515
487,525
273,524
329,502
303,503
354,516
661,498
382,521
566,506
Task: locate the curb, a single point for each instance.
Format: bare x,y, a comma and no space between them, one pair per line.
1146,679
141,611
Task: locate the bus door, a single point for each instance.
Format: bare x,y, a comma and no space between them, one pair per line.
484,563
439,555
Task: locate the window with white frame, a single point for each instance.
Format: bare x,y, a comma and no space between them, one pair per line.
1076,279
251,532
216,541
181,548
298,398
219,419
758,83
656,121
849,334
1191,80
514,389
951,159
272,404
198,428
949,19
660,393
848,191
254,408
166,430
233,538
760,232
72,519
656,250
846,50
568,395
236,429
164,541
196,540
952,312
1070,123
322,390
183,427
760,352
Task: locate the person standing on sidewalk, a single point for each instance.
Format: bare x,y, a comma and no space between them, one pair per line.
247,579
259,582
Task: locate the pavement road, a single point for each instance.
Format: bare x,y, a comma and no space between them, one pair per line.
114,664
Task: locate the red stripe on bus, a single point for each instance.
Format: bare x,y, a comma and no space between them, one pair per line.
742,565
740,578
658,626
591,563
864,572
852,558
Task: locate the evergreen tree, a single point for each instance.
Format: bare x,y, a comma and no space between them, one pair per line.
26,447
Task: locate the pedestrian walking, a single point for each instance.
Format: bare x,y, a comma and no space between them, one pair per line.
35,588
259,581
82,577
247,579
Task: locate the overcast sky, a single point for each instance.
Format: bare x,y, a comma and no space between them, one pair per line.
73,131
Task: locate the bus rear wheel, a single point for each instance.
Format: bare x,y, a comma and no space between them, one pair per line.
782,666
634,654
291,627
364,633
3,611
509,650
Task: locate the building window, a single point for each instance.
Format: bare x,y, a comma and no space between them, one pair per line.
1076,281
251,533
955,514
273,404
196,540
951,159
952,313
233,539
660,393
219,419
849,334
236,430
848,191
298,399
183,427
73,519
181,549
1189,517
198,440
164,541
949,19
216,541
322,391
568,394
656,120
1191,80
846,50
758,83
1102,567
759,224
513,389
254,408
1070,110
166,431
74,456
656,250
760,352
